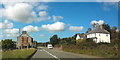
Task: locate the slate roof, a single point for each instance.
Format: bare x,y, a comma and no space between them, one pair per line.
98,30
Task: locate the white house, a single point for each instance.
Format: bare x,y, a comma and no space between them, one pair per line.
80,36
99,34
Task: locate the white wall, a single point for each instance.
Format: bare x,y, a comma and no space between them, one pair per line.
101,37
78,37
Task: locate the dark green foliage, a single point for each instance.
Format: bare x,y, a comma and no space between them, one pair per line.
113,33
8,44
91,48
66,41
107,27
43,44
119,35
87,44
54,40
89,29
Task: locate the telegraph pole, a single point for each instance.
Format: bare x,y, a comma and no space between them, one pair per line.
19,31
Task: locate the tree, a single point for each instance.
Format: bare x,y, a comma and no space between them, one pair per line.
114,28
107,27
119,35
0,45
89,29
54,40
114,34
8,44
68,41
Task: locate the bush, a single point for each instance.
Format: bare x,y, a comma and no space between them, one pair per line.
8,44
89,47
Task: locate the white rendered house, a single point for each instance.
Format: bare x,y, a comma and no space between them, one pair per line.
80,36
99,35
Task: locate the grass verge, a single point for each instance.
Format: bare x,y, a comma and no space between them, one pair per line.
106,53
17,54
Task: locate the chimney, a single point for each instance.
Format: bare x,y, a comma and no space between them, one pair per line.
24,32
96,25
101,27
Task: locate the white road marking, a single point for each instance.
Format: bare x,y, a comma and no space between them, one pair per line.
40,50
51,54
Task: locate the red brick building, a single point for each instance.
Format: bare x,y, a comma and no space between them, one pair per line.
25,41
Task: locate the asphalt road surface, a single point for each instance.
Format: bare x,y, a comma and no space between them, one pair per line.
52,54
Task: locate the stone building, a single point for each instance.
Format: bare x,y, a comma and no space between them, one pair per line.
25,41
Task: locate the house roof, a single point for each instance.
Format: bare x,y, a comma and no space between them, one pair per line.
24,33
98,30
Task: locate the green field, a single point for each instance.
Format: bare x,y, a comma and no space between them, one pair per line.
24,54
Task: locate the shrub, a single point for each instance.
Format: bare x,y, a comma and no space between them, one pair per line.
8,44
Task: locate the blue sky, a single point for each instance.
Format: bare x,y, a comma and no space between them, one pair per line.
75,14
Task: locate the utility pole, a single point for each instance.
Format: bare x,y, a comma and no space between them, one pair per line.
19,31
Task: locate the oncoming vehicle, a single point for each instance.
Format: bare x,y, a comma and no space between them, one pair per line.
49,46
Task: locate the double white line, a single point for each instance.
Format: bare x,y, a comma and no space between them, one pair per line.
51,54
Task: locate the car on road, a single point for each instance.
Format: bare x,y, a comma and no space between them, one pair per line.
49,46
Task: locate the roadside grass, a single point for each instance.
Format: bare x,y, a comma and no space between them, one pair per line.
106,53
17,54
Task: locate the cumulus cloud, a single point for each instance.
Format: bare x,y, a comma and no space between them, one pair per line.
26,0
43,16
1,13
57,18
42,7
43,13
108,5
7,29
100,22
24,12
57,26
14,31
42,35
11,32
6,24
107,0
11,35
59,0
31,28
76,28
1,36
20,12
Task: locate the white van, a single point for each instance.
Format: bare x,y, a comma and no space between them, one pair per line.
49,46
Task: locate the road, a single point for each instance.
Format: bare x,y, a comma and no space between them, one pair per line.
51,54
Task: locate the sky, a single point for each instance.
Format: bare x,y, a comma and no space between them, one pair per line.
43,20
